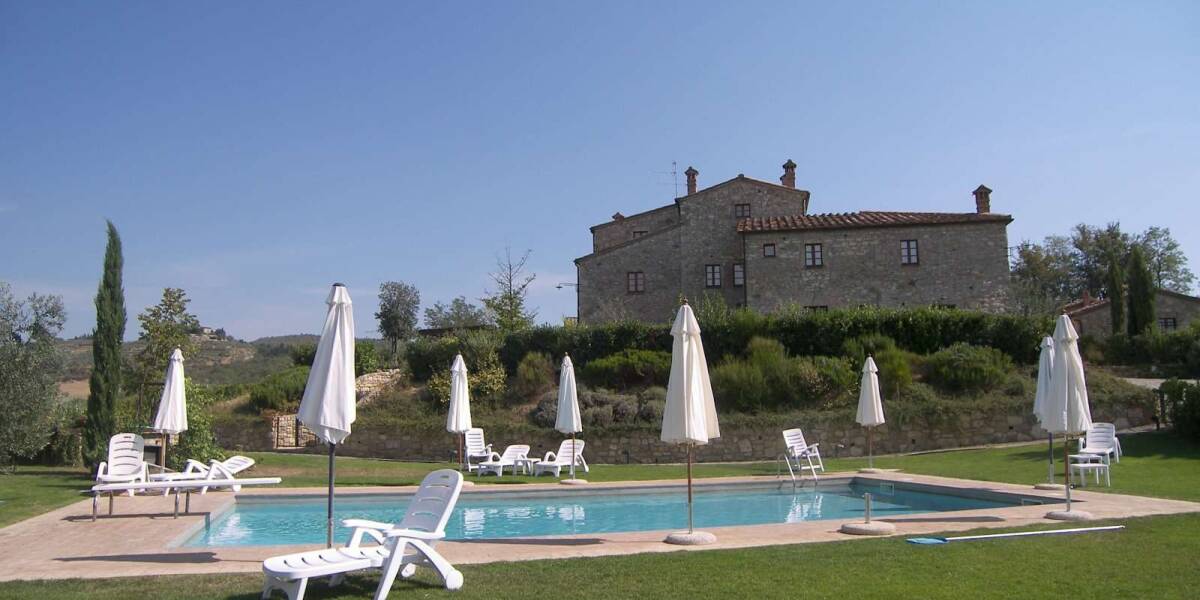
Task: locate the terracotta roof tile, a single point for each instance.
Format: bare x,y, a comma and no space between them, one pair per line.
866,218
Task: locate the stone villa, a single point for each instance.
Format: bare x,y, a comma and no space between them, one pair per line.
1093,317
755,244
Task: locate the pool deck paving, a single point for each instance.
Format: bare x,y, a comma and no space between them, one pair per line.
142,538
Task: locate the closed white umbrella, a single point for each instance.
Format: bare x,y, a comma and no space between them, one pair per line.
690,416
1066,409
1045,367
870,405
171,418
328,404
458,420
568,420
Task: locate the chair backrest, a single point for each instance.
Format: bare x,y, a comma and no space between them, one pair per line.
125,454
237,464
431,506
474,442
1099,438
793,438
1108,426
514,452
565,453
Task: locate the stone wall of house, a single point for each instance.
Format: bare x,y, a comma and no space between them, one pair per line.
1096,321
709,234
674,258
963,265
838,437
621,230
603,291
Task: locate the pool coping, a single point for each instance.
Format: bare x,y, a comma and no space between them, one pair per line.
64,543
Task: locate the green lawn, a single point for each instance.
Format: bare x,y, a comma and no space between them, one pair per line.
1154,558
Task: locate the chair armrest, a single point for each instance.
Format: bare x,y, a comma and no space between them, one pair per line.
365,523
102,469
550,457
413,533
194,466
811,446
494,457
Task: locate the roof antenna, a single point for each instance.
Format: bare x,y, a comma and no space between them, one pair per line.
674,173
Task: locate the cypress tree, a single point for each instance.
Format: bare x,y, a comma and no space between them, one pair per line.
1141,293
1115,293
105,382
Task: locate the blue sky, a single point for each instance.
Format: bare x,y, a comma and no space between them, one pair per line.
254,153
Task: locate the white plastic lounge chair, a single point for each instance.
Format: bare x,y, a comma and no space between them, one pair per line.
399,549
513,457
1098,441
555,462
216,469
477,448
1116,440
126,463
800,454
177,486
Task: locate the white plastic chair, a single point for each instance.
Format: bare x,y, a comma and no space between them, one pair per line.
126,461
216,469
398,549
555,462
476,448
802,456
1116,440
514,456
1100,440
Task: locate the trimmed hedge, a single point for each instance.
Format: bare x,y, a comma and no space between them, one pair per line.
628,368
280,392
965,368
824,333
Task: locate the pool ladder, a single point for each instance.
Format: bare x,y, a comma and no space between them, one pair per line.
796,481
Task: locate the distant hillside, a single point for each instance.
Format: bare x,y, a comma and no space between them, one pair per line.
215,361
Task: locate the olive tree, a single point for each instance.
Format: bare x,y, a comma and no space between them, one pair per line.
30,365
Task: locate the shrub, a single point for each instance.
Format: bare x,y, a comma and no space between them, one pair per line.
740,386
598,416
280,392
628,368
1183,406
366,356
895,375
426,356
198,442
859,348
485,385
546,412
625,411
534,375
964,368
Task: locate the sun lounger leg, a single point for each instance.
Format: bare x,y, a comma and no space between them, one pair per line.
293,589
390,570
95,502
452,577
176,503
187,504
110,503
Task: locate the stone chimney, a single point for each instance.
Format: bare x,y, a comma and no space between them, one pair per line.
789,174
691,173
983,199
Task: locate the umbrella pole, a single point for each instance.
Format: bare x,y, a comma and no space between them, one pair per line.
572,455
329,520
461,437
870,449
689,474
1051,455
1067,468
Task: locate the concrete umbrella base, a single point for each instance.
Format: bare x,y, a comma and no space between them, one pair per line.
573,481
1054,487
872,528
696,538
1069,515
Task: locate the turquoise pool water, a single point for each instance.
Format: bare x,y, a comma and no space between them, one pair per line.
260,521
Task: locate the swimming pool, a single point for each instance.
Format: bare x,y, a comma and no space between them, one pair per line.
280,520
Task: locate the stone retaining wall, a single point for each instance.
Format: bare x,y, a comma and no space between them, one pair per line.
837,438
